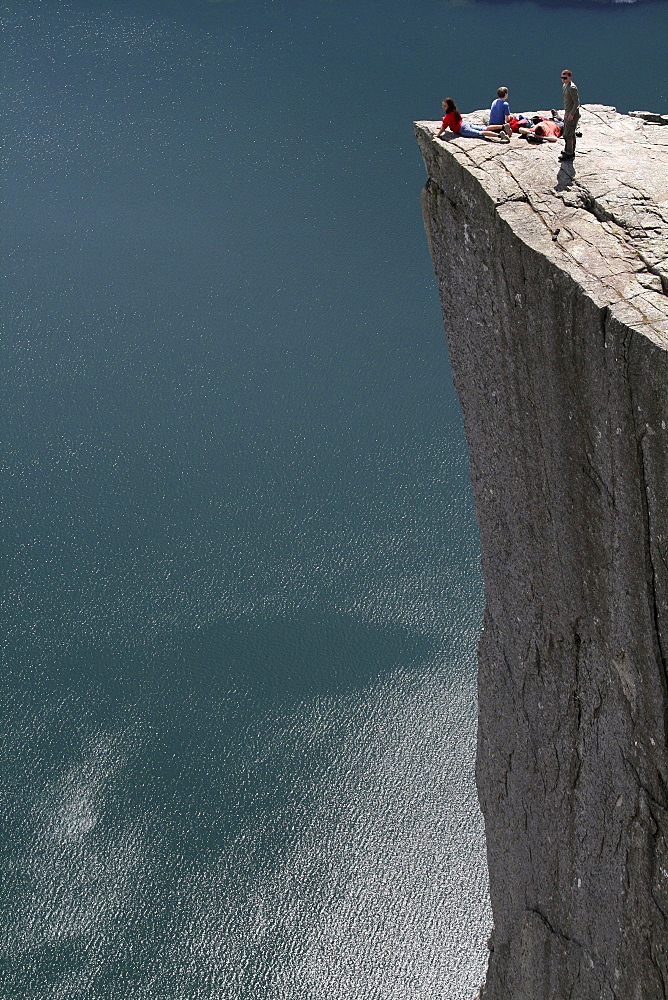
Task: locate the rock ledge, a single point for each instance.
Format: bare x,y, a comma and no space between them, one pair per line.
553,280
609,210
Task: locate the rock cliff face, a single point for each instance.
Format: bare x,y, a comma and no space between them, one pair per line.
554,286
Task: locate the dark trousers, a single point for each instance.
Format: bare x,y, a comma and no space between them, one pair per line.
569,134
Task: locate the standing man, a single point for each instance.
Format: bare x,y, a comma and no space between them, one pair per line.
571,114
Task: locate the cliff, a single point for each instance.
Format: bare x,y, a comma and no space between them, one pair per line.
553,280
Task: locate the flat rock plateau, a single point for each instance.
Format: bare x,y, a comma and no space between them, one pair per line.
553,279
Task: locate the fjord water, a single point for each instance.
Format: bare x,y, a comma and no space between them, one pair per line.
242,590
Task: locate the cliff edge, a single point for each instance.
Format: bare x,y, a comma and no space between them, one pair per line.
553,280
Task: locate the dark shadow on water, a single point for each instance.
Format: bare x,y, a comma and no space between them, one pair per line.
216,731
213,748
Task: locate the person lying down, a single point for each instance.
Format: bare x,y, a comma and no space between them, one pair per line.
547,129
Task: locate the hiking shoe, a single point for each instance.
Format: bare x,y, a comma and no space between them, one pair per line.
507,129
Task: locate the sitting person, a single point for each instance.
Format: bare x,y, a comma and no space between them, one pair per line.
545,128
453,120
499,113
517,123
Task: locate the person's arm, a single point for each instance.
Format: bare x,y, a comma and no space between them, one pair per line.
444,128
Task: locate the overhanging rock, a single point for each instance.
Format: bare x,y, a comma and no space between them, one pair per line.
553,280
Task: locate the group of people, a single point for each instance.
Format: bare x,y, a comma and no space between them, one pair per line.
502,124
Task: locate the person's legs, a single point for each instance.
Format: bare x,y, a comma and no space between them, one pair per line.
569,136
470,131
496,136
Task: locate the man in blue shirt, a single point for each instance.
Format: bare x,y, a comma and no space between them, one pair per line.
499,113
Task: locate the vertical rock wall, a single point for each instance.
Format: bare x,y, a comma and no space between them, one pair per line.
557,324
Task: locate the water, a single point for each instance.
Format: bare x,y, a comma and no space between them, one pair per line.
242,589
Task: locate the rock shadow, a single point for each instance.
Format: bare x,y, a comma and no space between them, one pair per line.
565,176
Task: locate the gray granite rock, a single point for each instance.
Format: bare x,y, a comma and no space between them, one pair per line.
650,116
553,279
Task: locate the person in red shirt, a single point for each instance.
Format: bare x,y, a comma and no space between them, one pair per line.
546,129
453,120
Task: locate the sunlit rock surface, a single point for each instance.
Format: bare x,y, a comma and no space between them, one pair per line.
553,280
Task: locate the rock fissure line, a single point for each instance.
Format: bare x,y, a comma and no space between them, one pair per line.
552,282
654,601
556,932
